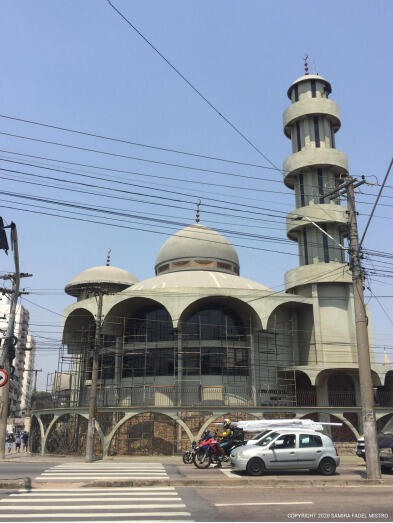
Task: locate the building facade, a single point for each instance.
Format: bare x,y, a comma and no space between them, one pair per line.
29,380
20,385
199,341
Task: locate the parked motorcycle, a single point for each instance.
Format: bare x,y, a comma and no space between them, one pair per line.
188,457
206,452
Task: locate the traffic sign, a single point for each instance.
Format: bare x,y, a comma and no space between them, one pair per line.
3,377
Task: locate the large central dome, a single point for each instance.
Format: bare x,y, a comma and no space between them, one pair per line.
197,248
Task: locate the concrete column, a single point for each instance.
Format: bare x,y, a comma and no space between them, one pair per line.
253,370
179,380
317,325
323,399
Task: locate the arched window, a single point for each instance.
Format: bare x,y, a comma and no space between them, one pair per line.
151,323
214,322
226,354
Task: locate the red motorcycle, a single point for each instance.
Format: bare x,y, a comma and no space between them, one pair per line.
206,454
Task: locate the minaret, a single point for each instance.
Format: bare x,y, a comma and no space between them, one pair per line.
314,168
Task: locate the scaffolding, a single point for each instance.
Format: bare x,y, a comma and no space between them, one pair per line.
148,363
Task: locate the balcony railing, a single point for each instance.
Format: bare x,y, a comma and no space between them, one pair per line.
202,396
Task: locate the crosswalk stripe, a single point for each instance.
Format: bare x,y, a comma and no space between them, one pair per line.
135,516
109,467
98,500
25,507
98,489
70,478
112,464
101,495
56,473
96,469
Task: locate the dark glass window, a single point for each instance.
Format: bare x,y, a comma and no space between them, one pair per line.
320,185
214,322
313,88
325,245
316,131
299,143
191,361
212,360
150,324
301,186
107,367
150,362
309,440
305,247
332,137
296,92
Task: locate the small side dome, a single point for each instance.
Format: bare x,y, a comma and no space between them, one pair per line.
197,248
110,279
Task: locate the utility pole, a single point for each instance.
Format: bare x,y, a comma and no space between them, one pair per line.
94,382
8,352
361,320
361,323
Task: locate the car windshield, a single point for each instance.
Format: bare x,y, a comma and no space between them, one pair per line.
261,434
267,439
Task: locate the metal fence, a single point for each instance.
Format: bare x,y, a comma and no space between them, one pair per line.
230,396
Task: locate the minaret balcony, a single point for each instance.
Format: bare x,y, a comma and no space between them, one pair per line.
314,157
311,107
332,272
322,213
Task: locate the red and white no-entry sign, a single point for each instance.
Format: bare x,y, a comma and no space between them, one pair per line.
3,377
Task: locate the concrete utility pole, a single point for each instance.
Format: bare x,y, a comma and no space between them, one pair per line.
361,320
361,323
94,382
8,352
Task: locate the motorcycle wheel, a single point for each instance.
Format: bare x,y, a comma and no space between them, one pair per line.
201,460
188,457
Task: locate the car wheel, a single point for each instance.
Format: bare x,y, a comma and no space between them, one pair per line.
327,467
255,467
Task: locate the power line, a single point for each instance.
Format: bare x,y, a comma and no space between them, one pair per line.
94,177
140,159
129,142
376,202
236,129
140,229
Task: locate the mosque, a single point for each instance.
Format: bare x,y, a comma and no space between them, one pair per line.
198,341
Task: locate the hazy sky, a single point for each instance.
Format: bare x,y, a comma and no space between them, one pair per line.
76,64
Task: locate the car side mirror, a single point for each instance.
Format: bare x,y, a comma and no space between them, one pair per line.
272,446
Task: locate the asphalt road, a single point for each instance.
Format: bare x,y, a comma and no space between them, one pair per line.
300,504
198,504
15,470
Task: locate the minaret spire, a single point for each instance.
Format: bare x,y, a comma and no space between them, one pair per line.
305,63
197,217
108,258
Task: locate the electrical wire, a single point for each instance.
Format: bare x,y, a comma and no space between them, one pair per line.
197,91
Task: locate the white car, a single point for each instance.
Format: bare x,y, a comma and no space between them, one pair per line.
289,449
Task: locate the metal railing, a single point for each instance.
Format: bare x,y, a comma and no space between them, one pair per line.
194,396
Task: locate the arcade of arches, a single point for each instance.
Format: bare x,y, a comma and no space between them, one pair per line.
159,433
